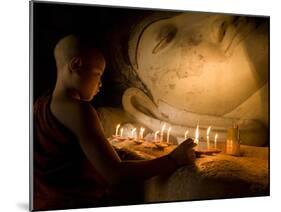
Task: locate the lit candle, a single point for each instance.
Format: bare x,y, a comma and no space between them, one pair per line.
197,134
168,135
141,132
121,132
133,132
216,137
185,134
156,135
162,132
207,134
116,131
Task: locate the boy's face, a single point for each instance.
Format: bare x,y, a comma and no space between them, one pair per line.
89,79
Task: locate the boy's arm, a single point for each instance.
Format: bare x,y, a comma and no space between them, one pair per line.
83,120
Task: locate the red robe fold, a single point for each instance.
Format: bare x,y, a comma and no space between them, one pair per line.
63,176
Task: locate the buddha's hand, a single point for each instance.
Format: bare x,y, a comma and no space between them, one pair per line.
184,153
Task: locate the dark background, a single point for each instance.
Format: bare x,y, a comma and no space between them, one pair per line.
53,21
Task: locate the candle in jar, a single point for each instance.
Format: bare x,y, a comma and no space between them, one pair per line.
168,135
116,131
162,132
156,135
185,134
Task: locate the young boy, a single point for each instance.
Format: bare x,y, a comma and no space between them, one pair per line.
74,164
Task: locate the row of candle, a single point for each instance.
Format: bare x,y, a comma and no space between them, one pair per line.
133,132
196,140
156,134
162,134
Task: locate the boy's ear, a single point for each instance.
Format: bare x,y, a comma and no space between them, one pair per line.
75,64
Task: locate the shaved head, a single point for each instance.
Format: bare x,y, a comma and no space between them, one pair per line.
79,67
73,46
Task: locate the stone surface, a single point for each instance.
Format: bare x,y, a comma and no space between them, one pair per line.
216,176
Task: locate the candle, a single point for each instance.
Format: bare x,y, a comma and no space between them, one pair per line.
207,135
156,135
162,132
116,131
185,134
133,132
142,129
216,137
140,132
168,135
121,132
197,134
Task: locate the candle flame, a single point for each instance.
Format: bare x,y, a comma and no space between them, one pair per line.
185,134
133,132
197,133
121,132
163,127
168,134
117,127
141,132
169,129
156,135
216,137
208,130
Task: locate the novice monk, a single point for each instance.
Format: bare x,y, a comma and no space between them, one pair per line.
74,164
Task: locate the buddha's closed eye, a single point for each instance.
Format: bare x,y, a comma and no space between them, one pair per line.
219,30
165,36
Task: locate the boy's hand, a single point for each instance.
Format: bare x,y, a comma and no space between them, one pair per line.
184,154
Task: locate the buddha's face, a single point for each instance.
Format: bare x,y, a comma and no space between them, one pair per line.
203,63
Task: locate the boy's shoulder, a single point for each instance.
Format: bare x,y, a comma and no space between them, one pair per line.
72,110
